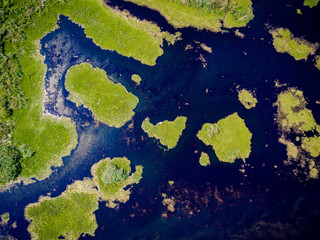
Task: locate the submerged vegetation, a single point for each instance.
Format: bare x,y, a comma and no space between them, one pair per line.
71,214
229,137
168,132
204,159
109,102
294,119
5,218
247,99
285,42
204,14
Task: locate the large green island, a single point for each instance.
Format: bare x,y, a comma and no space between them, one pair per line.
109,102
229,137
71,214
168,132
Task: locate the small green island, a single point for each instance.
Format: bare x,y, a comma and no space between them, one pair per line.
211,15
204,159
168,132
295,119
111,176
229,137
285,42
5,218
136,78
110,103
71,214
247,99
310,3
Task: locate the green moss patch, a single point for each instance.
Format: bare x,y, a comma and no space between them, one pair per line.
136,78
285,42
204,159
69,215
203,14
310,3
111,176
168,132
109,102
247,99
229,137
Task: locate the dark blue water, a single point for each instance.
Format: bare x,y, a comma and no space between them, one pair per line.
263,203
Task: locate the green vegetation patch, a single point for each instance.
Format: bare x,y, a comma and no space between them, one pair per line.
310,3
168,132
109,102
247,99
5,218
294,119
69,215
204,14
229,137
292,113
136,78
111,176
317,63
285,42
204,159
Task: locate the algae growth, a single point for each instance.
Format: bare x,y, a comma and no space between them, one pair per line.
285,42
168,132
247,99
229,137
109,102
211,15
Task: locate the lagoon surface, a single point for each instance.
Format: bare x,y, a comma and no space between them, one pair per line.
264,200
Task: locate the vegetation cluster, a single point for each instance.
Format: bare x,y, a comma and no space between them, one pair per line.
247,99
229,137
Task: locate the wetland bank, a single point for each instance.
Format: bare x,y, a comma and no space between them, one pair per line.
176,192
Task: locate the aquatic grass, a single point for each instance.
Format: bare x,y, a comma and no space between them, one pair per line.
285,42
110,103
70,215
310,3
110,185
136,78
168,132
204,159
247,99
202,14
229,137
311,145
5,218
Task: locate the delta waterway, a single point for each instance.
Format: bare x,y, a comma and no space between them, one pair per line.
226,204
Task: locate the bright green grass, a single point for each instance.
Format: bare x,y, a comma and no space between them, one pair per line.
50,137
285,42
168,132
69,215
203,14
310,3
229,137
292,112
311,145
109,102
204,159
111,188
247,99
5,218
136,78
